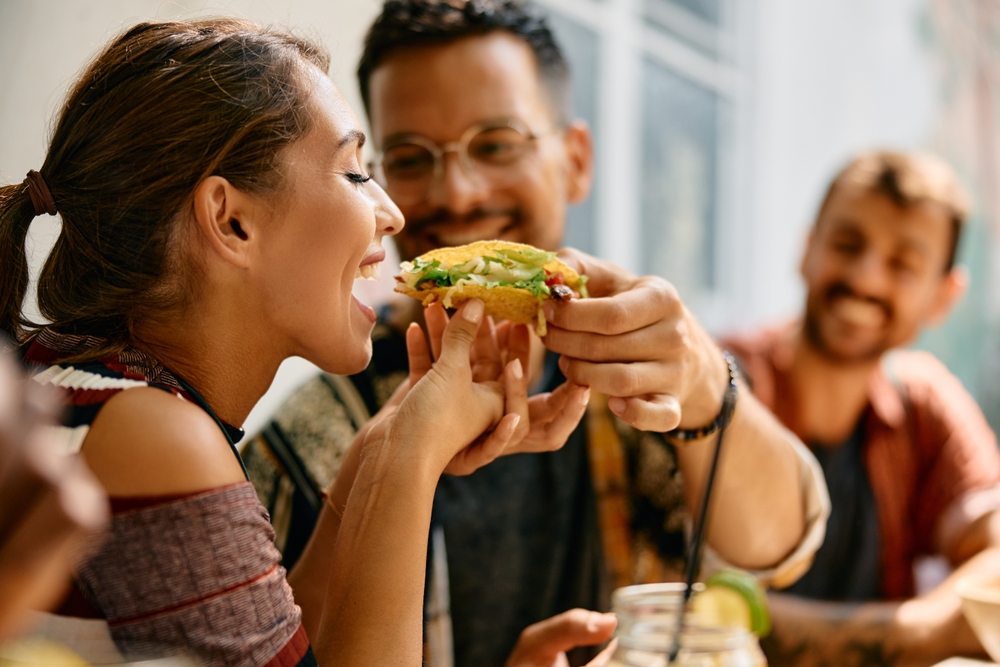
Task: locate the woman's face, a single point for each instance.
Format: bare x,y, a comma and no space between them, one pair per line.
326,232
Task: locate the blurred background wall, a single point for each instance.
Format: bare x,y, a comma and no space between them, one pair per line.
718,124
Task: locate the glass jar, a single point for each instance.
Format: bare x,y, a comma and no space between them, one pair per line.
647,620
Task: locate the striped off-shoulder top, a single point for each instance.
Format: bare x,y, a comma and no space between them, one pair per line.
196,575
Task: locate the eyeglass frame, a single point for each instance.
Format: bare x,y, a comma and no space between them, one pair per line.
460,148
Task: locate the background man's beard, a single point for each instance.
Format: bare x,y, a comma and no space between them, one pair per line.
443,217
814,337
412,239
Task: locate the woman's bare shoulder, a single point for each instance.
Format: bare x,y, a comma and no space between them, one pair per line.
147,442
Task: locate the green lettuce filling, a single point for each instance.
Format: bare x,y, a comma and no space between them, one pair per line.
523,260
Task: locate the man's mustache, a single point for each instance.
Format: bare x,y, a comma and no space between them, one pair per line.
443,216
840,289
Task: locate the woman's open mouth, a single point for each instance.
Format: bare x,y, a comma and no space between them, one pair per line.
368,311
370,267
369,272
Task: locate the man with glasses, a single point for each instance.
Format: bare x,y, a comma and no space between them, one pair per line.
468,104
492,153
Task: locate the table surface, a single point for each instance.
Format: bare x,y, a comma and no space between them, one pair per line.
964,662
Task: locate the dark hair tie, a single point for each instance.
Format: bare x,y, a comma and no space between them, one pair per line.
40,195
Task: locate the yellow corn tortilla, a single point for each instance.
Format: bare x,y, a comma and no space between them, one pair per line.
502,302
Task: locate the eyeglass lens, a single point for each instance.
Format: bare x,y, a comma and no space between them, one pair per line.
492,156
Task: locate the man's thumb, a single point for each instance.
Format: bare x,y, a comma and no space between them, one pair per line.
603,277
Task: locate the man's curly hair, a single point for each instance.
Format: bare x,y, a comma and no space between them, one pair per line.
409,23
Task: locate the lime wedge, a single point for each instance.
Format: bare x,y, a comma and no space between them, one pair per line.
733,598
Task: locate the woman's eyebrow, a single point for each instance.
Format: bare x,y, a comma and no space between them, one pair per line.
353,135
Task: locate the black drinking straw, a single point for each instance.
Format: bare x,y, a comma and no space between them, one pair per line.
693,565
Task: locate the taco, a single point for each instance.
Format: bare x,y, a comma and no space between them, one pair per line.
512,279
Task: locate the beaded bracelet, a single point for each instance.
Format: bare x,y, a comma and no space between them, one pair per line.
725,413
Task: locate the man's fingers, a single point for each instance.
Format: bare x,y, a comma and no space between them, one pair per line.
460,334
437,320
418,352
603,277
652,342
651,300
657,412
576,627
621,379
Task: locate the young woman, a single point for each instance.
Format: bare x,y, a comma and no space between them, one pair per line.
215,215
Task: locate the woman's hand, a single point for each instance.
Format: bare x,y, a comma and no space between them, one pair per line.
501,353
459,421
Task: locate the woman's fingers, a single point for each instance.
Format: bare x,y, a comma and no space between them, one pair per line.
553,416
486,361
418,352
502,334
437,320
519,344
516,397
459,335
485,450
544,407
551,432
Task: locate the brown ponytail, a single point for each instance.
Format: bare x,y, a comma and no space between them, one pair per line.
164,106
16,214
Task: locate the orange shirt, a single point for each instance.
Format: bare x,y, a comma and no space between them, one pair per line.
927,448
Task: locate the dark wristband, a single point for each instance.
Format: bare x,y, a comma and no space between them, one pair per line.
725,414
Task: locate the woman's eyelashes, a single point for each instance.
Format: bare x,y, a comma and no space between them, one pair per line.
359,179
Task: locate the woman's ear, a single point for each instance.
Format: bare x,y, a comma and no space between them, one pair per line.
225,220
580,161
950,292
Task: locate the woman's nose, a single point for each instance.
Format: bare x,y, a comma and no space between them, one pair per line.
389,219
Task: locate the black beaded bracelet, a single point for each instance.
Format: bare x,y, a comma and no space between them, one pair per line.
725,414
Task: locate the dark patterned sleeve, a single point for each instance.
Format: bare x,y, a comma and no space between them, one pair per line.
197,576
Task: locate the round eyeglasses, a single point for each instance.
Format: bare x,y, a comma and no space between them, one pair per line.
491,153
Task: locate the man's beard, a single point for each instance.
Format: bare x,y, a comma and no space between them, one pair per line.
442,218
814,334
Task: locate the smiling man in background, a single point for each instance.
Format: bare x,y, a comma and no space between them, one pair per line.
468,105
910,461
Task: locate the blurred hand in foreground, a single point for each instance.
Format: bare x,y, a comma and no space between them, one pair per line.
50,503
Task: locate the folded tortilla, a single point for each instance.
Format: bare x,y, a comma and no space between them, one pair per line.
512,279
